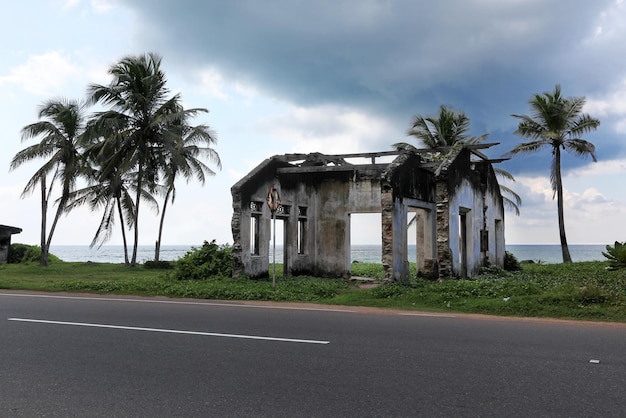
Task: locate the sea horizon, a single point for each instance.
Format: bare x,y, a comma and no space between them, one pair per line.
539,253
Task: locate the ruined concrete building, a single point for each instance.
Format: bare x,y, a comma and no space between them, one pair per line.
5,241
453,193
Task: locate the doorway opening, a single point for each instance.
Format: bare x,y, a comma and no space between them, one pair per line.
464,221
365,238
278,237
414,223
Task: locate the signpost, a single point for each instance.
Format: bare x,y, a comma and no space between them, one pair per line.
273,202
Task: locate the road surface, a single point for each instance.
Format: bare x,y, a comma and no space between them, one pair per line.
96,356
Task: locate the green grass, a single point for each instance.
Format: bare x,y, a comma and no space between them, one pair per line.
584,290
119,279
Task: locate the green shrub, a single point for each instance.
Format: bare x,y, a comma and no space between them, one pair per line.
23,253
205,262
616,255
510,262
17,253
158,265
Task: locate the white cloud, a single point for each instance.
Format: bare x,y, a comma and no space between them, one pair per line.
610,25
613,103
327,129
591,214
600,168
212,83
102,6
46,74
70,4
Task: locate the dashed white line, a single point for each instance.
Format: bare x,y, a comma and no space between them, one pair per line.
170,331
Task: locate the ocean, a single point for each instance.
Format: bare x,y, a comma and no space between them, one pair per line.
548,254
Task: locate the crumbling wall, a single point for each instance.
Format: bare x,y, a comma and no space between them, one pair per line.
405,185
494,248
5,241
474,208
318,200
249,200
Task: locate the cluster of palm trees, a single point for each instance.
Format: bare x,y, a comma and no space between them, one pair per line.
129,153
556,123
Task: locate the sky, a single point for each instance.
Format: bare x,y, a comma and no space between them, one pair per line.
331,76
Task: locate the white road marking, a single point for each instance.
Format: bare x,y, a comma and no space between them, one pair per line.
170,331
175,302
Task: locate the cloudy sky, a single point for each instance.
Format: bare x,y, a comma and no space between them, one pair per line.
335,76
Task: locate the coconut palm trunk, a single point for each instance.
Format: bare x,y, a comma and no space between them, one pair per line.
157,247
59,211
133,259
121,215
43,258
567,258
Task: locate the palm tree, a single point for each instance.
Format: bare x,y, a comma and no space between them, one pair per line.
182,153
449,129
556,122
141,112
61,125
443,130
108,187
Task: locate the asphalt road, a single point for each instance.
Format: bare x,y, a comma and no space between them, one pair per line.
90,356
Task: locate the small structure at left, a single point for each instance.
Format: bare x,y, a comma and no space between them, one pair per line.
5,241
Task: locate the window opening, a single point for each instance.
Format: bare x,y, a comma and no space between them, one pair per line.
463,241
302,224
255,220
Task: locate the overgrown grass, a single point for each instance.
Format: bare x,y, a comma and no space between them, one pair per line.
119,279
577,290
584,290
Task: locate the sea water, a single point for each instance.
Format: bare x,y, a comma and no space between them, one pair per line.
548,254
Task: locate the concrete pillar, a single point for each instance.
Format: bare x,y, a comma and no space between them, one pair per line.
235,225
387,232
400,256
444,254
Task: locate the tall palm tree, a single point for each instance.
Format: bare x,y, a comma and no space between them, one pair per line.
184,148
62,122
443,130
109,186
449,129
556,122
140,108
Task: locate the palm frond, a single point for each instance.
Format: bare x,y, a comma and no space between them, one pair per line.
528,147
500,172
511,205
581,148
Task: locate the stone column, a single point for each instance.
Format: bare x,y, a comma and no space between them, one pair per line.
235,225
444,255
387,233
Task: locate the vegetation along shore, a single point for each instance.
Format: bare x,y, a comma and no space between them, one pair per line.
582,290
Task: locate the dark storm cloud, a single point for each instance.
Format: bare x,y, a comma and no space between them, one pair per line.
395,58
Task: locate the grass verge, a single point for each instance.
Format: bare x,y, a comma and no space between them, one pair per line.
576,291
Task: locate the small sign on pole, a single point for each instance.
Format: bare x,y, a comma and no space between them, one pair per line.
273,202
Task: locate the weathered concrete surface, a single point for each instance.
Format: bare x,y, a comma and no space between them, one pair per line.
5,241
319,192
